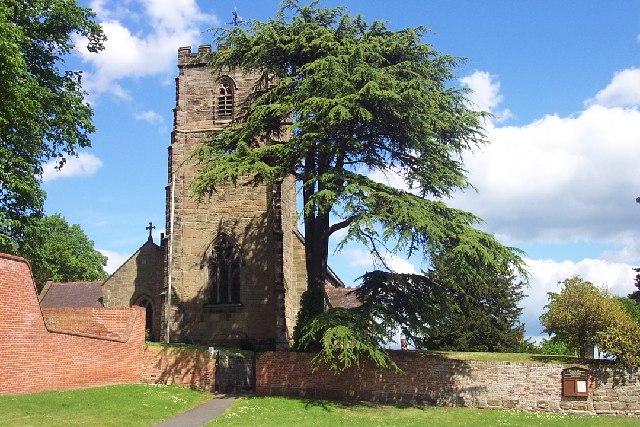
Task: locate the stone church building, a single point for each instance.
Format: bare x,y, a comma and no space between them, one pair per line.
231,268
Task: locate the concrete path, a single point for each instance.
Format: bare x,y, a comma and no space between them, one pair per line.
200,414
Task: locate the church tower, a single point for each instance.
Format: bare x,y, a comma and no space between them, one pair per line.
234,261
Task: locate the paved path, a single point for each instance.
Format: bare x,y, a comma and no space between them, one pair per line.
200,414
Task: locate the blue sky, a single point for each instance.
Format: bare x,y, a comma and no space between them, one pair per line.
558,180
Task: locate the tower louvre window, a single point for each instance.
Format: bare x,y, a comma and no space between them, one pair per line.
224,107
224,271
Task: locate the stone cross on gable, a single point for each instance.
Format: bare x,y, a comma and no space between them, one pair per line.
150,228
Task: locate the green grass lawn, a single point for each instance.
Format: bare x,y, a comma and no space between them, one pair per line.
283,412
508,357
120,405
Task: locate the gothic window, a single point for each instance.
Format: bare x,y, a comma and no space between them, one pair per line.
145,302
224,272
224,107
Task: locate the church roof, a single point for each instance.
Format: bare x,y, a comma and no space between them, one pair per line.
342,297
71,294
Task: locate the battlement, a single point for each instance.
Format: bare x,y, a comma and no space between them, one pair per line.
187,57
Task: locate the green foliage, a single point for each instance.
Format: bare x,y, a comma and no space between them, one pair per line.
43,114
631,306
340,101
347,336
585,316
60,252
412,304
557,346
635,295
311,305
484,280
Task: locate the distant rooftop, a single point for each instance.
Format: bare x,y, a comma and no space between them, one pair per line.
71,294
342,297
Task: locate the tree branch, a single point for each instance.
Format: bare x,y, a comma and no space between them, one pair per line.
340,225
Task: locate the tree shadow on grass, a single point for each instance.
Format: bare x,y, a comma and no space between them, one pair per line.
327,405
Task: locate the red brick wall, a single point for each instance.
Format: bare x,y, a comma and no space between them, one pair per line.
428,379
85,347
198,369
112,323
187,367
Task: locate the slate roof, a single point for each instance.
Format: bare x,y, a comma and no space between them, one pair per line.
342,297
71,294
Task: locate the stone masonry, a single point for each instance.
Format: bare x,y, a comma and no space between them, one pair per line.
139,281
259,218
251,227
430,379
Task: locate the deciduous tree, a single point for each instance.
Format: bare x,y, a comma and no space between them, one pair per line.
631,306
585,316
341,101
557,346
43,114
61,252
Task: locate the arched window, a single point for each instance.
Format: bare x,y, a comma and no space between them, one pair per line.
224,271
224,107
146,303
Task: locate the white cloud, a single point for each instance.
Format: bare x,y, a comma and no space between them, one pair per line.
115,260
362,258
399,265
563,180
485,93
84,165
545,275
357,257
623,91
142,40
149,116
560,179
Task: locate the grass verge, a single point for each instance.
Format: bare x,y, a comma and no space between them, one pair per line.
284,412
119,405
507,357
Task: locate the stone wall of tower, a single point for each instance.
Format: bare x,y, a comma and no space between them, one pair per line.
242,211
294,265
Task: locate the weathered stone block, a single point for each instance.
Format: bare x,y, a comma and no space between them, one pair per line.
494,402
510,403
619,406
602,406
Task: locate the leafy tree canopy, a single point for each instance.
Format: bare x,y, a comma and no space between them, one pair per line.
486,297
584,316
43,114
631,306
340,101
557,346
61,252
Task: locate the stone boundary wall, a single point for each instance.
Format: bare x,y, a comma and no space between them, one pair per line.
82,348
433,380
198,369
187,367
